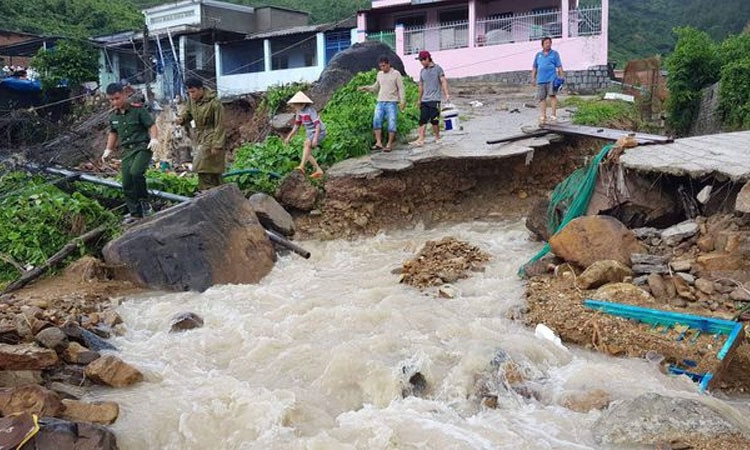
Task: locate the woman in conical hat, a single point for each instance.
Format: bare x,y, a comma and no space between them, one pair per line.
315,130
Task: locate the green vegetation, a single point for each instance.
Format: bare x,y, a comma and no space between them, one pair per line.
693,66
70,60
698,62
277,96
607,113
348,119
74,18
37,219
640,29
734,92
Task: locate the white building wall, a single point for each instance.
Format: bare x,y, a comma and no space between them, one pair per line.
232,85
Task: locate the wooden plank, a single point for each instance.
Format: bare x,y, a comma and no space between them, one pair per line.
605,133
518,137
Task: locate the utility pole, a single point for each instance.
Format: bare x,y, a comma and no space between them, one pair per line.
147,61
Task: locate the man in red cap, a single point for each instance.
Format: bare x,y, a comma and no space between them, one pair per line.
431,81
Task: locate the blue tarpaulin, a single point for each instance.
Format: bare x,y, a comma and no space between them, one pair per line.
16,84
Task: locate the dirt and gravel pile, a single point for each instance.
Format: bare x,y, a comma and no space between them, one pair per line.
698,267
443,261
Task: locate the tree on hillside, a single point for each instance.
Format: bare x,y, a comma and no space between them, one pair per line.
641,28
694,65
70,61
75,18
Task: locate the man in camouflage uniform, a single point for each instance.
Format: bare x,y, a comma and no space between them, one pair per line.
134,128
205,116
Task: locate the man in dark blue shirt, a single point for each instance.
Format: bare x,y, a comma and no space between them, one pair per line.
547,67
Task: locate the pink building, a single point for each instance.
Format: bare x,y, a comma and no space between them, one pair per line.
482,37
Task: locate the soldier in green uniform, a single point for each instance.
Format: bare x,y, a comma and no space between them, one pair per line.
205,116
133,127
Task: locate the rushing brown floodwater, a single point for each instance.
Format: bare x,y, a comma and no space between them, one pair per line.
316,357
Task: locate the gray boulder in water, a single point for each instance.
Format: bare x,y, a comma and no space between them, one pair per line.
215,238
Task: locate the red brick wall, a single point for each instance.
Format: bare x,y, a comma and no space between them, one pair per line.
9,37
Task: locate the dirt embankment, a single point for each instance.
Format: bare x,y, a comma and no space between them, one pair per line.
444,191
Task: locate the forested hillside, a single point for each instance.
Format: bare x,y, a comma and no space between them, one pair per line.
638,28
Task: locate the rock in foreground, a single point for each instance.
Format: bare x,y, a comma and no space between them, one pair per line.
214,239
588,239
653,418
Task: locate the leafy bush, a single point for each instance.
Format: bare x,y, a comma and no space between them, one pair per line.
37,219
272,155
734,48
183,184
693,66
277,96
734,94
348,119
71,61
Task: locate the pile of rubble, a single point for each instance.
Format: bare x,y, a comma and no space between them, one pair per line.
443,262
51,352
698,266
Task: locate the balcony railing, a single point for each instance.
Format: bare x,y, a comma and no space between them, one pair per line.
386,37
586,21
519,28
445,36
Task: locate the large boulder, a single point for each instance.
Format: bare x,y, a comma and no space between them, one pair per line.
104,413
31,398
26,357
588,239
537,220
603,272
110,370
63,435
297,192
653,418
271,214
214,239
360,57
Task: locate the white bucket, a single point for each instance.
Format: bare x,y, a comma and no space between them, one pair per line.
450,118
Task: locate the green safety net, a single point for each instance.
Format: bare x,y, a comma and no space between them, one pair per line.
570,199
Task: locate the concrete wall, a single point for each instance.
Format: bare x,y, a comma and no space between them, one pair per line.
708,120
479,58
243,83
268,18
227,20
579,53
585,82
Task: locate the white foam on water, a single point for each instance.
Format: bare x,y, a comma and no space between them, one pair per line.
318,354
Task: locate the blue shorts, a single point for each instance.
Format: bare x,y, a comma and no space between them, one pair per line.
387,110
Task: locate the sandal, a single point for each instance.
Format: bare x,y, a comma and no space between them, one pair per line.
387,149
376,147
300,170
316,175
417,143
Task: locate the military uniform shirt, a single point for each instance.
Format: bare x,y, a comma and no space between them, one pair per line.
131,126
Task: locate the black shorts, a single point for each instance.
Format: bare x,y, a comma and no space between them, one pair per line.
429,112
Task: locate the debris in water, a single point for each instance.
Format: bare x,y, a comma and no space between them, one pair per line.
443,261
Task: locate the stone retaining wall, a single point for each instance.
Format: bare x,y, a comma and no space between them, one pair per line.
584,82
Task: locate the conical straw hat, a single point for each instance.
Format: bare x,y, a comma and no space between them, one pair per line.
299,97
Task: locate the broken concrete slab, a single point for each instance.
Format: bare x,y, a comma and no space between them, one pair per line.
697,157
